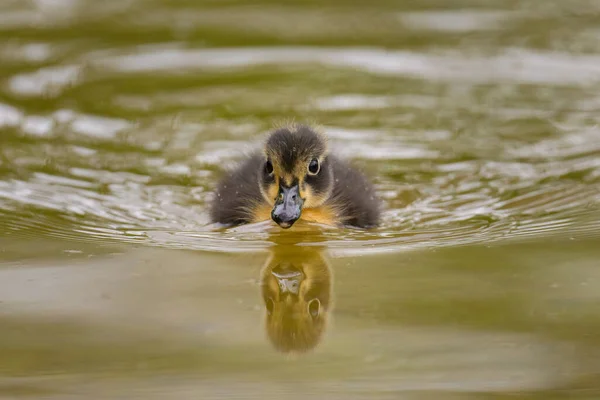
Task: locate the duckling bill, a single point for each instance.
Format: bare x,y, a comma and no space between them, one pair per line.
295,178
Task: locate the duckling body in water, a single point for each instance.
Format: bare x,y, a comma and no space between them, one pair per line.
295,178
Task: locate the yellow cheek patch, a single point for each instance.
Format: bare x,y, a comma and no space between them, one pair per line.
272,192
313,200
306,194
262,213
320,215
303,190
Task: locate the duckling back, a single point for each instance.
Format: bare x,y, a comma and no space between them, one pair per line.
238,195
353,196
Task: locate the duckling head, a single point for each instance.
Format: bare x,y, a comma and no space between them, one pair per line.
296,173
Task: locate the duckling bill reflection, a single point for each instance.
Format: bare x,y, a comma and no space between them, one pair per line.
296,292
295,178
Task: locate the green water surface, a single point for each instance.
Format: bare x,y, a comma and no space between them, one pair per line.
478,121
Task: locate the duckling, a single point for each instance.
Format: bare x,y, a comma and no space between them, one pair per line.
295,178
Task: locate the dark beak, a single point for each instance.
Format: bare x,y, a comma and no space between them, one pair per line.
288,206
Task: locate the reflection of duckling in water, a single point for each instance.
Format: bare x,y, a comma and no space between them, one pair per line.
294,178
296,290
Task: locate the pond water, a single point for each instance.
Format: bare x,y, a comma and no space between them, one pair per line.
477,121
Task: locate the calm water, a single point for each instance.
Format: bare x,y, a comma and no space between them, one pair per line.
478,121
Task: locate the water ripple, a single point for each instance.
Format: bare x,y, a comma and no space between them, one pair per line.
473,143
512,65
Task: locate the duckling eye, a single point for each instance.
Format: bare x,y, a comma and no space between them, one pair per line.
268,167
313,167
